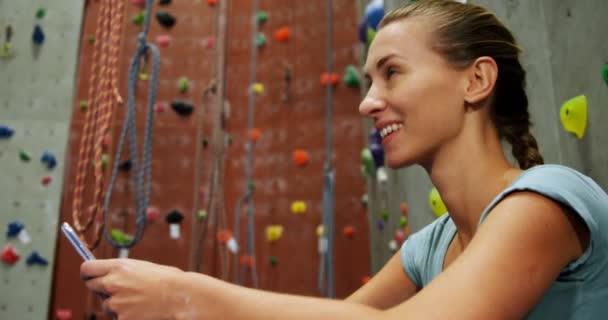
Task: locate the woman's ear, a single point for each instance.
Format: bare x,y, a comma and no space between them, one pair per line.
482,75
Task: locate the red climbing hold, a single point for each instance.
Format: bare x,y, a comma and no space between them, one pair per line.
300,157
9,255
255,134
404,209
152,214
160,107
349,231
223,236
326,78
138,2
212,2
107,139
46,180
246,260
399,237
63,314
210,43
282,34
163,40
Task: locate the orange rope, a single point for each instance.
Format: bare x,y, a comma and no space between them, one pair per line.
103,96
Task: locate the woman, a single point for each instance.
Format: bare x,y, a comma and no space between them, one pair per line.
446,86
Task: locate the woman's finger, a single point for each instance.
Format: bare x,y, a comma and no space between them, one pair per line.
97,268
107,306
99,286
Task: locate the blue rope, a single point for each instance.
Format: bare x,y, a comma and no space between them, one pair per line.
141,176
326,263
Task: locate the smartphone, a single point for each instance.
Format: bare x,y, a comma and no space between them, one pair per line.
80,247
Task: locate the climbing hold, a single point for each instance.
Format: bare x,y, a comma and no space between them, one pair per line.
229,140
273,260
210,43
274,232
38,35
246,260
143,76
49,160
251,186
392,245
17,229
139,18
91,39
125,165
403,221
320,230
164,2
182,108
40,13
574,115
160,107
300,157
365,279
367,161
163,40
364,200
35,258
225,236
298,207
326,78
385,214
120,237
63,314
138,2
205,142
254,134
380,224
374,12
107,139
403,208
84,104
375,147
436,203
183,84
46,180
9,255
24,156
605,73
105,160
260,40
258,88
5,50
261,17
201,215
282,34
174,219
212,2
152,214
399,237
165,19
348,231
351,78
6,132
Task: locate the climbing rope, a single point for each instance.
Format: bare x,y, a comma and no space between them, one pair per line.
141,172
248,197
103,96
326,263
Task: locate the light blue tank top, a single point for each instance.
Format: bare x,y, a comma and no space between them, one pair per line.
581,290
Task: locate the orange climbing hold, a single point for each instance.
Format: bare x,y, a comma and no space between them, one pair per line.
212,2
283,34
246,260
255,134
404,209
223,236
326,78
348,231
365,279
300,157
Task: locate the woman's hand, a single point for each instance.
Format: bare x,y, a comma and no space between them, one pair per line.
138,289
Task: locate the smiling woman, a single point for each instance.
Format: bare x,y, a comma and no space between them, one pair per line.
446,86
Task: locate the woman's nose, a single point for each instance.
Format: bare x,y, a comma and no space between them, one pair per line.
371,104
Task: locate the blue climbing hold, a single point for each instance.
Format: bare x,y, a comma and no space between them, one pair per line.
14,228
38,35
375,146
49,159
36,258
374,12
6,132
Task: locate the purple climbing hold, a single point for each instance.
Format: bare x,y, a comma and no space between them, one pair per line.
375,146
6,132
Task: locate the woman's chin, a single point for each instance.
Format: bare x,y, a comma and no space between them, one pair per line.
398,162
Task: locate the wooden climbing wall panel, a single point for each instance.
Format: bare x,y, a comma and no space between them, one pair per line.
182,166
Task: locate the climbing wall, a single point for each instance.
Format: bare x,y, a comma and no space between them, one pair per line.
185,147
561,64
36,91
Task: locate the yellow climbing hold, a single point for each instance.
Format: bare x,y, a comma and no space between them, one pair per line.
320,231
298,207
274,232
574,115
436,203
258,88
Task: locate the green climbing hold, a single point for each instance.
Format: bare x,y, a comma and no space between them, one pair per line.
139,18
24,156
371,34
84,104
120,237
201,214
385,214
605,73
184,84
351,78
104,161
91,39
261,17
260,40
251,186
367,161
229,139
40,13
273,260
403,221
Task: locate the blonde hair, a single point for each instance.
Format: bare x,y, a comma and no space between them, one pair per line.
465,32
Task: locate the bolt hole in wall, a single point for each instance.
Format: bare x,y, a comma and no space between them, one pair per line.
198,188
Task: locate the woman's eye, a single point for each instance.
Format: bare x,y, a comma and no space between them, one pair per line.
390,72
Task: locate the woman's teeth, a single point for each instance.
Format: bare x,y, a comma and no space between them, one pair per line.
390,129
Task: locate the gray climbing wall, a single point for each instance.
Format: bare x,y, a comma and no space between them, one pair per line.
564,52
36,88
